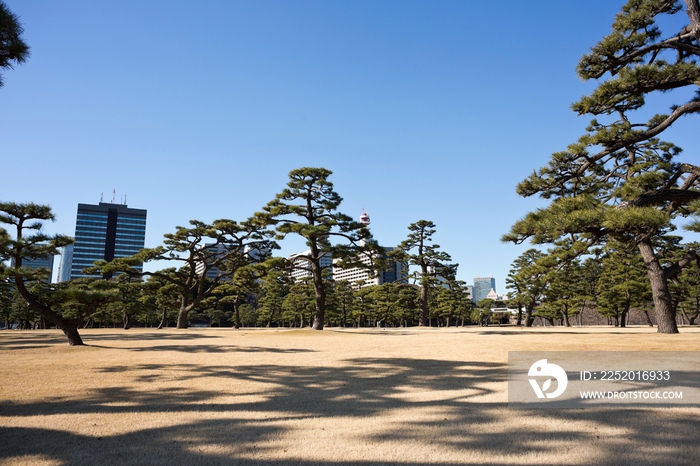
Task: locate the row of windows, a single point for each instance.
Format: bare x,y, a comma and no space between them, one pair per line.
91,215
128,244
121,234
123,228
83,238
128,252
91,228
131,221
91,223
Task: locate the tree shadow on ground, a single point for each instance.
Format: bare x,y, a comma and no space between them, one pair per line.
360,389
207,349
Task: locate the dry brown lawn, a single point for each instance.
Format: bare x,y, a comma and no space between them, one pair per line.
372,396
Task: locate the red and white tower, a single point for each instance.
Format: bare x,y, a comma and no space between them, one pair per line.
364,218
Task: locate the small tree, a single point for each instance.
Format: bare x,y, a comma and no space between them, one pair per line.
417,250
622,283
528,280
274,290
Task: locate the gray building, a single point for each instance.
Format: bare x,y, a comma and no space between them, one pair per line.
482,287
103,232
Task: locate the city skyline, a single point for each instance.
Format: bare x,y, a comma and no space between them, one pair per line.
417,115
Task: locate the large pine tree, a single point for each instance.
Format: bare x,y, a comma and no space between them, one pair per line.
619,181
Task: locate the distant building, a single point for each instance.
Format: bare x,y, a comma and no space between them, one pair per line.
104,232
395,272
302,267
482,287
39,263
219,250
65,265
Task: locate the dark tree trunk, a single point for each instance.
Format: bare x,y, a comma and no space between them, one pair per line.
423,300
625,311
236,304
70,330
163,319
320,295
565,314
665,312
127,321
528,317
520,315
182,321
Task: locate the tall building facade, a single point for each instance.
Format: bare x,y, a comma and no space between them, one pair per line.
104,232
482,286
216,251
45,262
360,278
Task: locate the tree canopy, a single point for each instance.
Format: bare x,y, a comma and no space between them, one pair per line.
619,181
13,49
308,207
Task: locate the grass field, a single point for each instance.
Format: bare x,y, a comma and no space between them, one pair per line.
395,396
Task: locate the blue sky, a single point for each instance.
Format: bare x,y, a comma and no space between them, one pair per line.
423,110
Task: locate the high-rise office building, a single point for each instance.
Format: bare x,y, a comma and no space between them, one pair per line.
482,286
395,272
45,262
104,232
216,251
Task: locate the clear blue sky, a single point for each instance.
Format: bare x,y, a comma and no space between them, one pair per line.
423,110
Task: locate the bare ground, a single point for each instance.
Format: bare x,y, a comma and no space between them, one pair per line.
372,396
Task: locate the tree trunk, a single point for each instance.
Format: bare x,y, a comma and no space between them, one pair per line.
423,300
626,310
71,331
127,321
320,295
163,319
236,304
520,315
68,328
182,318
665,312
565,314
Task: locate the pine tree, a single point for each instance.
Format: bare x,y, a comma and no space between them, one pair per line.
620,181
417,250
13,49
308,207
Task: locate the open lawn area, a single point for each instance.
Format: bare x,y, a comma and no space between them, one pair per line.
356,396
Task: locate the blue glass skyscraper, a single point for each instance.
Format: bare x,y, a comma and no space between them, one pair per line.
482,286
104,232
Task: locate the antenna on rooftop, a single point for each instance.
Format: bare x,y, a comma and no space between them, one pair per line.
101,194
114,195
124,199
